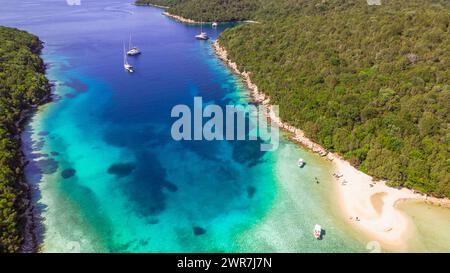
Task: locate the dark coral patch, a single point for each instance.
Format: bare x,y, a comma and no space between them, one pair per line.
153,221
170,187
54,153
70,95
121,170
68,173
121,138
199,231
47,166
251,191
144,242
77,85
38,145
250,153
56,98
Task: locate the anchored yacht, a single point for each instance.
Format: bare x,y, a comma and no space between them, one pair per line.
133,51
203,35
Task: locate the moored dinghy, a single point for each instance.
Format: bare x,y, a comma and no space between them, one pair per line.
301,163
318,232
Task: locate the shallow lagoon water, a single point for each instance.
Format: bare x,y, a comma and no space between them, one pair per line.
109,177
431,226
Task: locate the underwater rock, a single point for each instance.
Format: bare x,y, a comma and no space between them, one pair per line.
47,166
77,85
144,242
153,221
68,173
199,231
171,187
39,155
38,145
251,191
121,170
70,95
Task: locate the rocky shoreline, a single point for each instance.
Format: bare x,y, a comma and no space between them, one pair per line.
29,224
28,218
182,19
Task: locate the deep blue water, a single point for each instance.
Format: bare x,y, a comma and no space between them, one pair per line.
109,176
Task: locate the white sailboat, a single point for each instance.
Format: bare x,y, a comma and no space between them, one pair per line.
203,35
128,67
133,51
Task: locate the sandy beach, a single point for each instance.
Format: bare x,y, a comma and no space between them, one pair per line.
368,205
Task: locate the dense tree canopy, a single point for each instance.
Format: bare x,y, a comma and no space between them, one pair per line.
238,10
369,82
209,10
22,86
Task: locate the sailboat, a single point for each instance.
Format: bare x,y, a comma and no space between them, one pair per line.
132,51
128,67
203,35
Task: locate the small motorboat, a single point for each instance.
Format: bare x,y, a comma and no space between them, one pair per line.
318,232
215,24
301,163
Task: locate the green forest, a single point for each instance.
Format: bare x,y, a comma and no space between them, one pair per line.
369,82
23,85
209,10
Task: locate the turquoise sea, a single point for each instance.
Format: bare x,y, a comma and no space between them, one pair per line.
107,175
